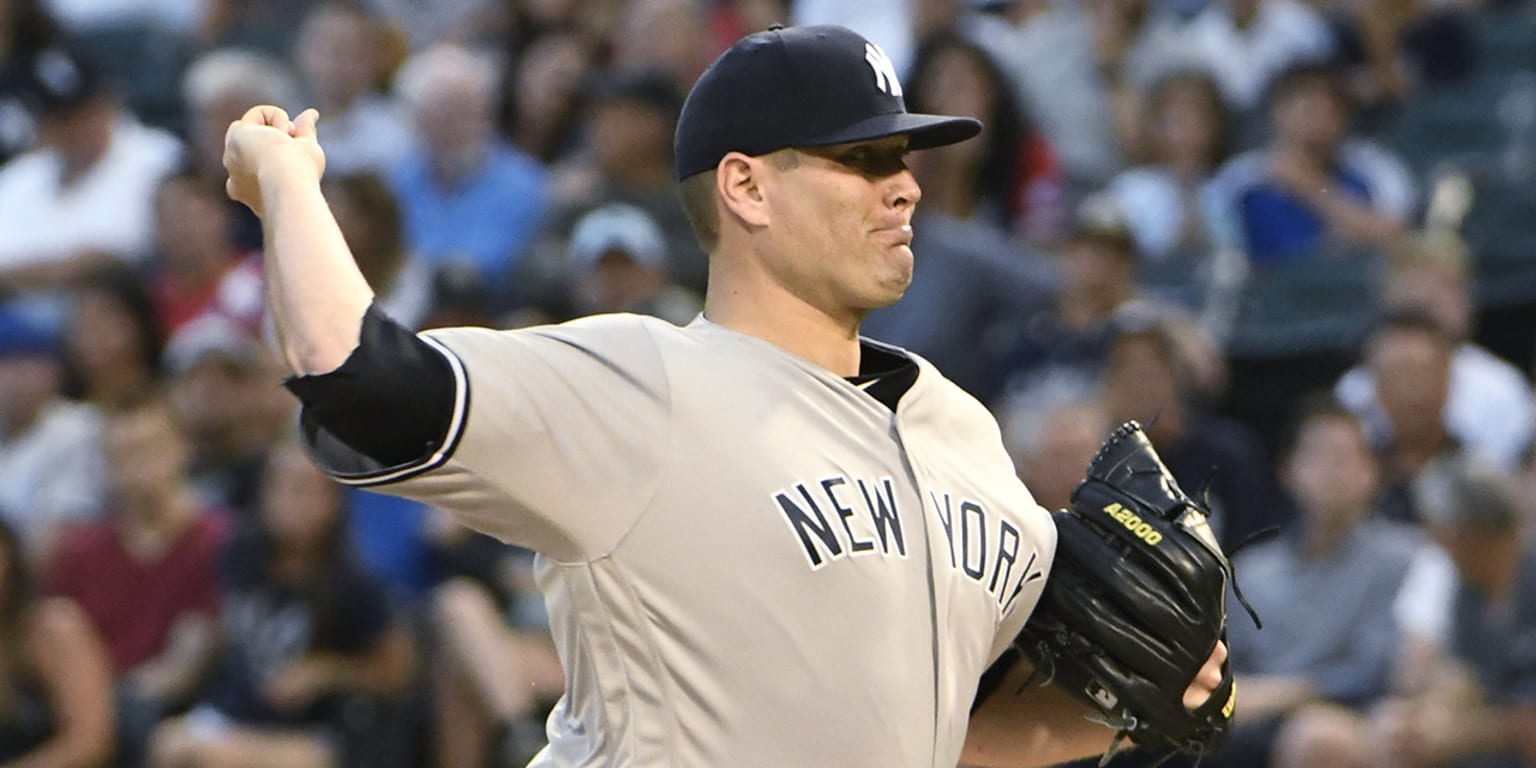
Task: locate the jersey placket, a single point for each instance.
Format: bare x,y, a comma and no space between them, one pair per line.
935,547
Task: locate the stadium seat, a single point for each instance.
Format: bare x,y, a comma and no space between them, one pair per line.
1319,304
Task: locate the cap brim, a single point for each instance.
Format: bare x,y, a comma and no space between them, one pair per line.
926,131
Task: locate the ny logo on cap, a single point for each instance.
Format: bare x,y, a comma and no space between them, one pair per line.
885,72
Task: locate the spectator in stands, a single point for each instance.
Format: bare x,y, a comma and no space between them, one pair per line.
497,674
466,195
629,125
1147,377
142,44
86,194
218,87
1525,482
1421,612
222,385
1064,341
1189,136
369,216
531,20
1409,356
146,575
1073,65
465,22
199,271
1009,179
1324,590
305,630
1489,406
50,461
1247,44
1052,442
339,52
1480,708
171,20
618,262
26,29
1135,42
1392,47
1312,186
545,99
666,35
460,297
113,344
55,675
263,25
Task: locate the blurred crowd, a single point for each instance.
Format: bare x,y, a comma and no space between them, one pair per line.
1295,237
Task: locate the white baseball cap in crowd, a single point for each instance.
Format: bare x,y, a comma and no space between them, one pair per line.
617,227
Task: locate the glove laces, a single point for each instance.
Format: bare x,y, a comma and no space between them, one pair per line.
1257,537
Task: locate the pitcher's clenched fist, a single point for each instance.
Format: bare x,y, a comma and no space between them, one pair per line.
264,140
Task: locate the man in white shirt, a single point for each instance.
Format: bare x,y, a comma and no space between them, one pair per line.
87,192
1489,407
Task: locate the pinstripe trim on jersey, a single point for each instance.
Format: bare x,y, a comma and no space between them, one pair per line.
451,438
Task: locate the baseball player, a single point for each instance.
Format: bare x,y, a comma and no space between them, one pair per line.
763,540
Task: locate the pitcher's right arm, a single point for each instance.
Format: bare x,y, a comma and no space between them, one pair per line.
350,361
315,292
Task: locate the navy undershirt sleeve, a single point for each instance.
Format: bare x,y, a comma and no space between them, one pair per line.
392,400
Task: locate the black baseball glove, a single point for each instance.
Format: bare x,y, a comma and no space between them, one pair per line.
1135,603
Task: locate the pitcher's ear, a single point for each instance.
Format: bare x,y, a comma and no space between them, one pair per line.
739,180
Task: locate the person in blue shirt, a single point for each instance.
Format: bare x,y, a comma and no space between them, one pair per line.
1313,185
467,197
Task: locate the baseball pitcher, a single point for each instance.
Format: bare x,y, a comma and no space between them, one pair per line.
764,541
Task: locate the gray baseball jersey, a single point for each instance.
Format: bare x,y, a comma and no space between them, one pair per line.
748,560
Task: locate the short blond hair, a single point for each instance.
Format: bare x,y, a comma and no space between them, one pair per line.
698,197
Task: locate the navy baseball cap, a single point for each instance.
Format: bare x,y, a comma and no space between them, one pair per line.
801,87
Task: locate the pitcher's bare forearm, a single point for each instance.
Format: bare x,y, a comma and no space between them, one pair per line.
315,291
1022,725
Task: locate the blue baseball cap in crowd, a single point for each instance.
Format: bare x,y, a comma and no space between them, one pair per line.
801,87
22,336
